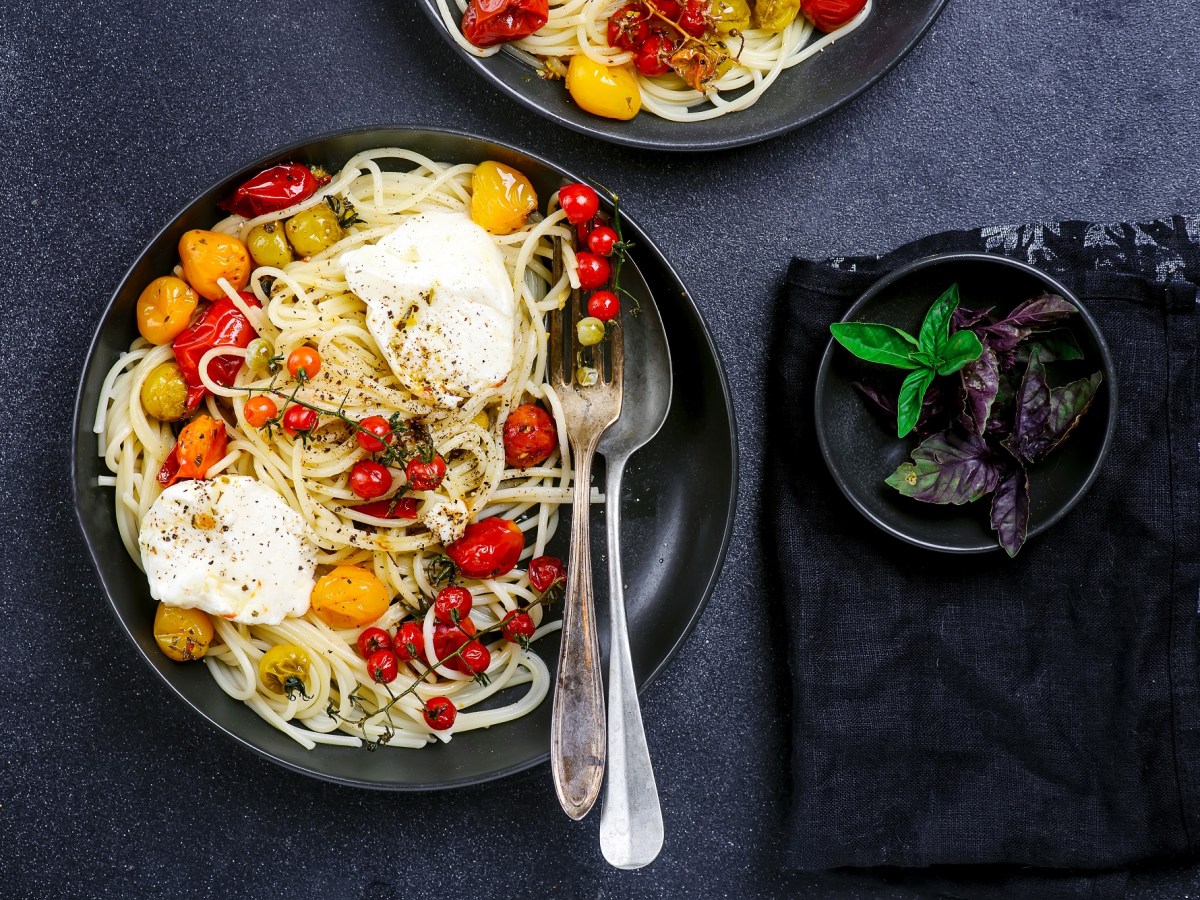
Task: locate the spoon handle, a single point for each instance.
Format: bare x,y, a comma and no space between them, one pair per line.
631,824
577,721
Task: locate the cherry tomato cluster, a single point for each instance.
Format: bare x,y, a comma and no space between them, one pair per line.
653,32
582,206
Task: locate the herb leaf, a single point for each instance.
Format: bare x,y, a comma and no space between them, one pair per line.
962,347
912,396
1055,346
949,469
1010,510
877,343
1025,320
1029,438
1067,406
981,383
935,330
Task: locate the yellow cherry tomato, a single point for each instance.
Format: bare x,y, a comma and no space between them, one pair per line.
284,670
609,91
349,597
165,308
775,15
164,393
729,15
269,246
501,198
314,229
208,256
182,634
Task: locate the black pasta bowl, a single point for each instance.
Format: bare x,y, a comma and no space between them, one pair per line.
800,96
861,447
675,539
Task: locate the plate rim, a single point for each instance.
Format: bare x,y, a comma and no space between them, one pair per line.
480,67
925,262
77,434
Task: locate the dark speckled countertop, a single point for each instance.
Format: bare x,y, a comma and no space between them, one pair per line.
115,114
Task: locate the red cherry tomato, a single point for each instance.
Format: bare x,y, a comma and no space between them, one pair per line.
579,202
373,639
447,639
439,713
530,436
490,22
654,56
200,446
544,571
488,548
601,240
382,666
425,476
377,431
516,625
669,8
306,360
628,27
396,508
409,641
299,419
259,410
271,190
474,659
220,325
369,479
830,15
593,270
452,605
694,19
604,305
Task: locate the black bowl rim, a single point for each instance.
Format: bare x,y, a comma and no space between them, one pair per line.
688,143
987,258
643,240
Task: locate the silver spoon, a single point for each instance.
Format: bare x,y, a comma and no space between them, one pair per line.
631,824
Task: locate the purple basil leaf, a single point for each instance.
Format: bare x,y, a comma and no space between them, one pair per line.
879,402
968,318
1058,345
1029,438
1026,319
981,383
949,469
1067,406
1010,510
935,414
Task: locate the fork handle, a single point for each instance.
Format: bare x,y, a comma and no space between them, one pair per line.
577,722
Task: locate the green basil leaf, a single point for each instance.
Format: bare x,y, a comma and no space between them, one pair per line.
912,396
877,343
935,330
963,347
928,360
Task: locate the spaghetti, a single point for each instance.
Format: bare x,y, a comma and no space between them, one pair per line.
307,302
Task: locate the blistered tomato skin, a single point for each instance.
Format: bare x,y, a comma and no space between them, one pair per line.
314,230
608,91
349,597
182,634
271,190
501,198
268,245
530,436
284,670
488,549
208,256
545,571
164,393
830,15
165,308
440,713
487,23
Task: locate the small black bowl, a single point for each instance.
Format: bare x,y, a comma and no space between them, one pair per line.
861,451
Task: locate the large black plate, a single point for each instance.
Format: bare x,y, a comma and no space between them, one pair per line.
801,95
680,492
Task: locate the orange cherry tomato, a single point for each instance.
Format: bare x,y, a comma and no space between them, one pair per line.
201,445
349,597
501,198
530,436
306,360
164,309
259,410
488,548
208,256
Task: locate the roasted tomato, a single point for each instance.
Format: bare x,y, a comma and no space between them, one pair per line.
271,190
830,15
439,713
220,325
200,445
501,197
488,548
490,22
529,436
349,597
284,670
182,634
208,256
545,571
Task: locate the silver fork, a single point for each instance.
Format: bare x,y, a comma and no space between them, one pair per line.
577,729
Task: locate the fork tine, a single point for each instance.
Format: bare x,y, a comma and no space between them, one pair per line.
616,350
555,337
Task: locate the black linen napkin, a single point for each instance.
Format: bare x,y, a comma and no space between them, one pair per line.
980,711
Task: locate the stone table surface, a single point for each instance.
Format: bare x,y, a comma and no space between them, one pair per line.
115,114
